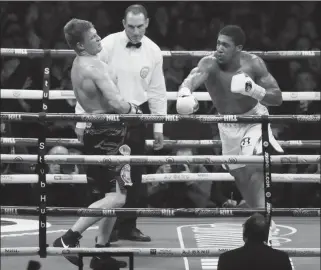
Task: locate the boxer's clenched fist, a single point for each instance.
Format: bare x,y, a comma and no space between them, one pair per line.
243,84
186,102
134,109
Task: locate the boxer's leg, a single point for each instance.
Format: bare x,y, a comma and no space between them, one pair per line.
103,141
106,226
97,142
249,179
250,182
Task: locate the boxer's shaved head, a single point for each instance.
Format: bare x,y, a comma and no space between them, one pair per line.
230,42
235,32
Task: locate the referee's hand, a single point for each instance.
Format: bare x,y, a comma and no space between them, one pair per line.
158,141
80,134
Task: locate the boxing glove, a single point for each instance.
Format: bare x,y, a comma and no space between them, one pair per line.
186,103
134,109
242,84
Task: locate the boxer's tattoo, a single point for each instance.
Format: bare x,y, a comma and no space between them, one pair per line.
198,75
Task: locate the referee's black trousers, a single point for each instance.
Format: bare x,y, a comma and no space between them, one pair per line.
136,194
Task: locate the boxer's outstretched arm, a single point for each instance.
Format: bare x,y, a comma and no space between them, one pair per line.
273,95
199,74
109,90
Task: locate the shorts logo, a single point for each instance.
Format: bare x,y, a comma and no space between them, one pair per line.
246,142
144,72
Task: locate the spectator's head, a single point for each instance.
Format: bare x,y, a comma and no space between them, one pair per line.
184,152
308,29
161,16
57,150
9,67
135,22
196,11
296,10
12,30
315,62
33,265
5,129
230,42
303,44
215,25
255,229
278,129
294,67
102,21
308,8
82,37
178,62
291,28
178,9
305,81
16,34
32,14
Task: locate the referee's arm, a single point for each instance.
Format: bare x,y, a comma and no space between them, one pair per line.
156,92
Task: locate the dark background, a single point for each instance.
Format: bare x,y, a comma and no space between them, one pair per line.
173,26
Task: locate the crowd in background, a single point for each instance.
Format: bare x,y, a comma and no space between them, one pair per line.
173,26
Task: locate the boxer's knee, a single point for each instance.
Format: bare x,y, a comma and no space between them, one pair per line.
114,200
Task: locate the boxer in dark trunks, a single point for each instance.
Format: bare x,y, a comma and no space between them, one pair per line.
239,84
97,94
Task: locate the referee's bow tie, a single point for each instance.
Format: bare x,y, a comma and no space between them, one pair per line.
130,44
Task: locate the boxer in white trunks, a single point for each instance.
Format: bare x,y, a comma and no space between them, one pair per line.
226,75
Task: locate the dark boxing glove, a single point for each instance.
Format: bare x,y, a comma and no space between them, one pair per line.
134,109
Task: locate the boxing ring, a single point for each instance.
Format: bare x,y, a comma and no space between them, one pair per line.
187,242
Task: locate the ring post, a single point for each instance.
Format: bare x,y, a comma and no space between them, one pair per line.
41,164
80,262
266,147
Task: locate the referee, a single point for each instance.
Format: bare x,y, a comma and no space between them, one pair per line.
136,67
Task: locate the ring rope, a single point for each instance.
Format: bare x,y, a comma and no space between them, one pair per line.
149,252
160,160
201,96
214,143
50,179
65,53
158,212
147,118
7,141
154,178
225,177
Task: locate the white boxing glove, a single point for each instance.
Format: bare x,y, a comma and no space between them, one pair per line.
186,103
243,84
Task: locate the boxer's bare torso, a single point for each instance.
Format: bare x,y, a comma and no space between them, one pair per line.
84,74
218,85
